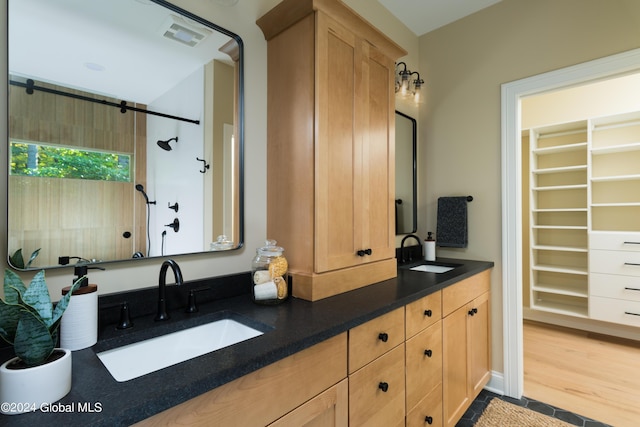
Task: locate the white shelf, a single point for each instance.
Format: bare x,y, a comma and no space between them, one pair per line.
560,148
560,187
634,146
559,227
563,169
615,178
559,248
559,308
556,269
551,289
560,210
608,205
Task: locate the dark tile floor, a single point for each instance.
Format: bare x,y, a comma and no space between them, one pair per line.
475,410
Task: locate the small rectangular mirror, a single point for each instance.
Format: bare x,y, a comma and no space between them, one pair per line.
406,174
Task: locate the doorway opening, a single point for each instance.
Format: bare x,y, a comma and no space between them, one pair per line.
512,259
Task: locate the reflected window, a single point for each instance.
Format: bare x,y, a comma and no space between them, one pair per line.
55,161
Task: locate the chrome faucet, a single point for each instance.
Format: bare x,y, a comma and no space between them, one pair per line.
402,246
162,285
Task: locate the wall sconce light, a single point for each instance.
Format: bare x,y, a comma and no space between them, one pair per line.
405,86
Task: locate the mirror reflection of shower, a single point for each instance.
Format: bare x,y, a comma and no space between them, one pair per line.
140,188
165,144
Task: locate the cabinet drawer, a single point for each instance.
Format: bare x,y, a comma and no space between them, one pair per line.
372,339
423,363
423,313
428,413
614,286
615,310
615,241
369,404
614,262
455,296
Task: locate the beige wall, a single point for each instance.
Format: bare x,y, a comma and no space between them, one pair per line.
464,64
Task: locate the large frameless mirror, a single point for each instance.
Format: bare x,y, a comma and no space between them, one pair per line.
406,174
125,132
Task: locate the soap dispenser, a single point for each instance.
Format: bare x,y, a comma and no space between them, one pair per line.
79,324
429,248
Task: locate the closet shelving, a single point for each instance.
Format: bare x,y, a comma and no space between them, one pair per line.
615,174
559,207
584,218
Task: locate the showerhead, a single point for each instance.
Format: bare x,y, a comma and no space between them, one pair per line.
165,144
140,188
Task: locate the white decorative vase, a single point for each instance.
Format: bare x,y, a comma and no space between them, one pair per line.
29,389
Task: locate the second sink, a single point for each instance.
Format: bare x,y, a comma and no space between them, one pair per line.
143,357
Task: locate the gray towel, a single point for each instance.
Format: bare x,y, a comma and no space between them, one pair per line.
451,228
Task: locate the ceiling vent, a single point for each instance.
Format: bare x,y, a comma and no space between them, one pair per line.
179,29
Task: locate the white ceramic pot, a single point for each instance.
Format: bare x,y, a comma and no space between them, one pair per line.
26,390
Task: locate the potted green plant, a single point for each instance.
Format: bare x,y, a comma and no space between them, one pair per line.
17,260
40,373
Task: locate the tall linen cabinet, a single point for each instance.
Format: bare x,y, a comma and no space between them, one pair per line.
330,149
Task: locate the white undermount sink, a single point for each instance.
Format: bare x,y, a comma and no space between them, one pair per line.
429,268
143,357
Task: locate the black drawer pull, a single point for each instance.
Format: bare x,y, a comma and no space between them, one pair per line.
428,313
473,311
383,336
428,419
632,263
631,289
632,243
428,353
383,386
631,314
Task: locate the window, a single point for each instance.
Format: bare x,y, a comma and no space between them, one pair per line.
54,161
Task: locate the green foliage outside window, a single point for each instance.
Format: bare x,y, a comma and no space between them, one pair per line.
53,161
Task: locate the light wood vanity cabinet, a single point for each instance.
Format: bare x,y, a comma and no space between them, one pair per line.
311,381
466,342
331,150
423,361
376,371
418,365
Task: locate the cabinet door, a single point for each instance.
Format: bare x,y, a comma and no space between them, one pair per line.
377,201
355,151
328,409
480,344
455,380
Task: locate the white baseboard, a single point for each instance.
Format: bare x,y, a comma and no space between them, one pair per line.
589,325
496,383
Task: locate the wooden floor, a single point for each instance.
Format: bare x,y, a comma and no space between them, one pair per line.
592,375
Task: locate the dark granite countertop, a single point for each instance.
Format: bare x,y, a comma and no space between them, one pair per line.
290,328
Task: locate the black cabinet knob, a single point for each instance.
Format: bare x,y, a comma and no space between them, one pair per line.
383,336
428,313
428,353
428,419
368,251
473,311
383,386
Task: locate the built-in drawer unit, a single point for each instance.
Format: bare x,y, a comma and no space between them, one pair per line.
614,286
615,262
622,241
615,310
428,412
